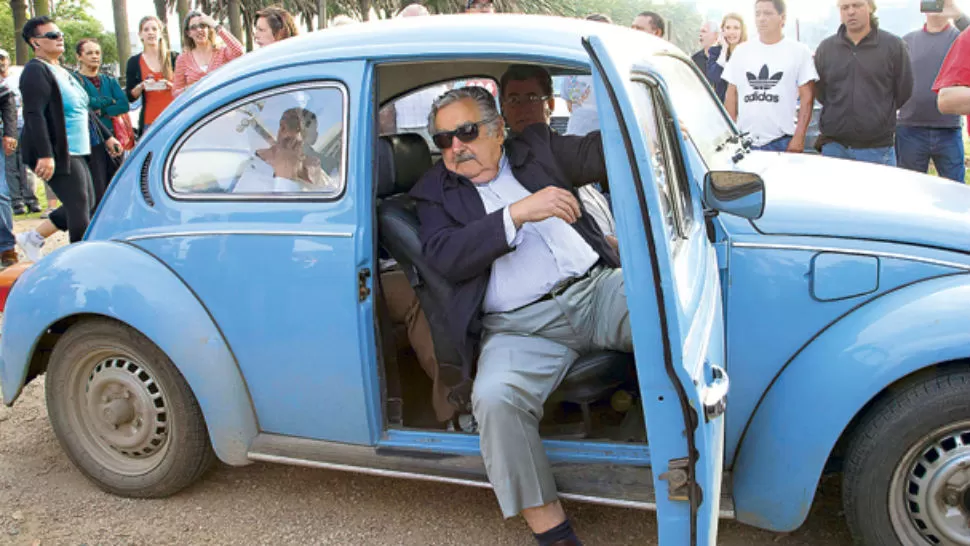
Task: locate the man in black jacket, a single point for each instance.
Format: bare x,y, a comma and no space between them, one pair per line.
533,279
865,76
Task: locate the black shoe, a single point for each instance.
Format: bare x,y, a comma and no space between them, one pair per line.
34,208
17,211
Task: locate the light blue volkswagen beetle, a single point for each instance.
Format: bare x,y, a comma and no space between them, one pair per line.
218,308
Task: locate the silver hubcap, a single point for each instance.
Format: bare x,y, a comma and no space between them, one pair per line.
121,414
932,489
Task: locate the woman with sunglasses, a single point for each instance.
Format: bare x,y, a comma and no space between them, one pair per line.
201,55
57,135
273,24
107,100
149,75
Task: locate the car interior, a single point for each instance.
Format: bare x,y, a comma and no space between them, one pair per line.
597,400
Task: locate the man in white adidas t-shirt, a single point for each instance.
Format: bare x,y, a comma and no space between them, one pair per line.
768,79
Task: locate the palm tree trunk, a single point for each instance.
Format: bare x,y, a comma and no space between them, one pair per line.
19,9
182,7
235,26
41,7
365,9
247,21
321,14
161,10
120,8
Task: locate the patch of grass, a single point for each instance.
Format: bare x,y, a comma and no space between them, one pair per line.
41,192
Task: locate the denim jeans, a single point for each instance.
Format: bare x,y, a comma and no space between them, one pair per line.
7,242
777,145
915,146
879,156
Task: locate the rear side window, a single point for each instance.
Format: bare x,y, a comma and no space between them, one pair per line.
285,143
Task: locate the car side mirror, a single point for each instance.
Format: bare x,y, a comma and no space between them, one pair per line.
738,193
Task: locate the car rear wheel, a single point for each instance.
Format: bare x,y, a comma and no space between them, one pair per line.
123,413
907,470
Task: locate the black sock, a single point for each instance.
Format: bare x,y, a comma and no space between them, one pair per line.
563,531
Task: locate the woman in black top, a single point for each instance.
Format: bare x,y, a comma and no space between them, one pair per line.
56,134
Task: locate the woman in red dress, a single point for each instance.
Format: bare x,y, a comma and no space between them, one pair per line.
150,74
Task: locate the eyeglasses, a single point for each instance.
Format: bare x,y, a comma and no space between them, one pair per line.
518,100
466,132
51,35
199,26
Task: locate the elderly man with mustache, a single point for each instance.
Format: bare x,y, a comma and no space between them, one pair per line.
535,282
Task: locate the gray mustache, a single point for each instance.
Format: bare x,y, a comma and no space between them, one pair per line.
462,157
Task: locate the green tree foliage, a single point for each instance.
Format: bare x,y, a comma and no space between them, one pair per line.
683,20
75,20
8,37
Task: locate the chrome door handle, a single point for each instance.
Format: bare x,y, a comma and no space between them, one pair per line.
714,396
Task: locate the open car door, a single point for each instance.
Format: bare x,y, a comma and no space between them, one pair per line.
673,291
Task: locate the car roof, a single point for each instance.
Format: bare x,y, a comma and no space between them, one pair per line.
423,39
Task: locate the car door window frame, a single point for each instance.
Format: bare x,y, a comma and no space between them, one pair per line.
201,123
678,185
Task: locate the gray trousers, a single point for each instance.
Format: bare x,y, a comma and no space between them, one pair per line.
525,355
21,188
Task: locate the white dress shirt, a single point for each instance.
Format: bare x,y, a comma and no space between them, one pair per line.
545,252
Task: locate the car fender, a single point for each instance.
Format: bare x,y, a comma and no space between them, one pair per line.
829,381
125,283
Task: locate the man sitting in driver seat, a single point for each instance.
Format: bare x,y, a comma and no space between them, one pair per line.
534,280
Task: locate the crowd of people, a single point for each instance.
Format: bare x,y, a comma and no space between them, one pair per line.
884,99
71,127
878,92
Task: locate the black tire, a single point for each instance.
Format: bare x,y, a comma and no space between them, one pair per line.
162,448
918,432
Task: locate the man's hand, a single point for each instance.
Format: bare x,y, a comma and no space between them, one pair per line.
546,203
797,145
613,242
45,168
9,145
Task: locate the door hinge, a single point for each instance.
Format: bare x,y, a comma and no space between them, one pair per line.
363,291
678,481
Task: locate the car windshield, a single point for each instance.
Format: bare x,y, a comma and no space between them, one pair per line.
695,105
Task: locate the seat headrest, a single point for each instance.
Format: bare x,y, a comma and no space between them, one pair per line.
401,161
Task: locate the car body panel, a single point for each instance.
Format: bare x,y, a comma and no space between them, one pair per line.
770,299
820,196
150,298
804,412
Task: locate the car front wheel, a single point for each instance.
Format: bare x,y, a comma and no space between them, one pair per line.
907,470
123,412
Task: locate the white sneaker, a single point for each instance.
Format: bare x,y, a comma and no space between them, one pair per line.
31,242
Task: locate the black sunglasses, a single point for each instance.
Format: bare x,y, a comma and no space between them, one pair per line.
199,26
51,35
466,132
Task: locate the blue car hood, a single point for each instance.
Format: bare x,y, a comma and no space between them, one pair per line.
817,196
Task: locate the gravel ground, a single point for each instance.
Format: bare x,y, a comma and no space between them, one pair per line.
44,500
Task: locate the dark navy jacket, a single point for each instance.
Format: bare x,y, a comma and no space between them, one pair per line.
461,241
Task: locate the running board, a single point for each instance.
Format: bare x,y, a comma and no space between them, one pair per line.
596,483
